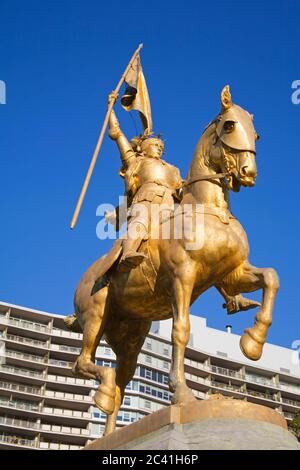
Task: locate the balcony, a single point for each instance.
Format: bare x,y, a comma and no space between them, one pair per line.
20,388
18,423
70,380
68,396
57,362
47,428
21,371
28,325
289,416
290,388
66,334
67,413
19,405
53,428
65,349
227,372
230,387
35,343
265,396
196,378
17,441
291,402
260,381
58,446
25,356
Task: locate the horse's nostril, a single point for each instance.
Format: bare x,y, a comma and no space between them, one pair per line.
248,172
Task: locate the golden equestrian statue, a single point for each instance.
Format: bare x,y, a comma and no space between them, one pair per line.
120,304
163,276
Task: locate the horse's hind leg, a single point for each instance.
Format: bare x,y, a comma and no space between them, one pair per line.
248,278
126,339
92,321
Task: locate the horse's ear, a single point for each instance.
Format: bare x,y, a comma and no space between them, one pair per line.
226,101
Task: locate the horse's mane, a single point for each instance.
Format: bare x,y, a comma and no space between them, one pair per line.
201,155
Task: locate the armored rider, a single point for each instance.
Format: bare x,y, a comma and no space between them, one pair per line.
148,180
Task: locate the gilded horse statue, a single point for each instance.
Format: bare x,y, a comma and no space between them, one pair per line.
123,309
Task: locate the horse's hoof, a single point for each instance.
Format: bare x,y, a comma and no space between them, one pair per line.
250,347
104,401
104,398
183,394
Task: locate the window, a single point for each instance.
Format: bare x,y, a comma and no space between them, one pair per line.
148,359
107,351
149,345
148,374
165,379
166,351
165,365
127,401
148,404
126,417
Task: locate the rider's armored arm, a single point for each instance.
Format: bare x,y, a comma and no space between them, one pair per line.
115,133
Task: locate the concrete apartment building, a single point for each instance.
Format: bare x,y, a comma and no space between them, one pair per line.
42,406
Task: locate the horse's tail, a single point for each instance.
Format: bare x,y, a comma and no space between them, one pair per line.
72,323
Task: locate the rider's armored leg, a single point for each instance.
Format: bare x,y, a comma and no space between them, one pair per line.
137,232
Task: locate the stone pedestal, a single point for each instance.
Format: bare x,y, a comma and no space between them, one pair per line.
214,424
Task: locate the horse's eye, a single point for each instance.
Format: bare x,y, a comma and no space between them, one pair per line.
229,126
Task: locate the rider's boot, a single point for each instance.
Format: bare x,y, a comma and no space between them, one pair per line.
131,257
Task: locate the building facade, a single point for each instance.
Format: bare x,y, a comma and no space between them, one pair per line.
42,406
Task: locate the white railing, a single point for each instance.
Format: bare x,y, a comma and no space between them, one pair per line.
232,388
70,380
290,388
288,415
19,423
57,362
62,347
64,429
25,356
66,412
20,388
68,396
66,334
56,446
227,372
31,342
196,378
28,325
8,439
290,402
19,405
20,371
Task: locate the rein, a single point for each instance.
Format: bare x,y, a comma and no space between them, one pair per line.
206,177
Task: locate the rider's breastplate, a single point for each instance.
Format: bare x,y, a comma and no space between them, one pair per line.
159,172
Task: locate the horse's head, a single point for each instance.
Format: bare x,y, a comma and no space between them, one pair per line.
233,150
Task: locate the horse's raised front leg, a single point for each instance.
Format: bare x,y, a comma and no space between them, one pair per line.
183,287
248,278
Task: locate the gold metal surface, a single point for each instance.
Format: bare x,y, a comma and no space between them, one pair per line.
123,308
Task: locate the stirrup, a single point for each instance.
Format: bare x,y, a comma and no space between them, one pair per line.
132,259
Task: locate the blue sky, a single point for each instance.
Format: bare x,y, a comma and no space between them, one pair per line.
60,59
